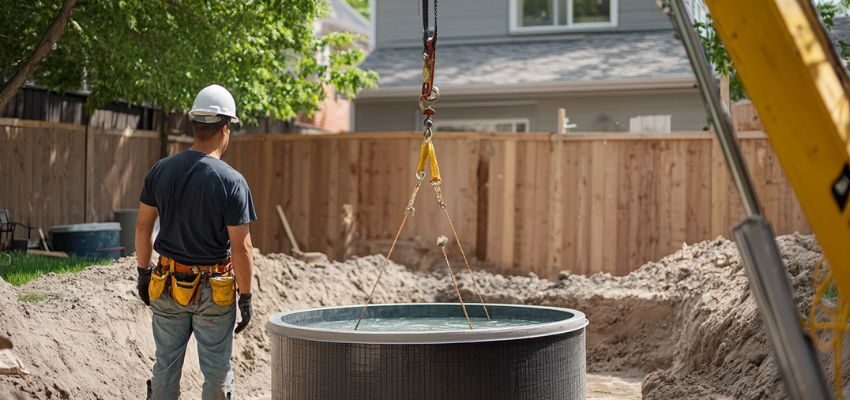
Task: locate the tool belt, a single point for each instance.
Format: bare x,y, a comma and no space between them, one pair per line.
182,282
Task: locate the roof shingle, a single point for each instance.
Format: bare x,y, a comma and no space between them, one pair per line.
591,57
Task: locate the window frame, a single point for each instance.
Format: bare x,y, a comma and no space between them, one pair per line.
515,27
494,121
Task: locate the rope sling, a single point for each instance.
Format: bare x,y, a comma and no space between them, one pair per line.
428,158
825,317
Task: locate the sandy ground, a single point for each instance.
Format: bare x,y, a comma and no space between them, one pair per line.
682,327
601,386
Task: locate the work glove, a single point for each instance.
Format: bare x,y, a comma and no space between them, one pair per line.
142,284
244,305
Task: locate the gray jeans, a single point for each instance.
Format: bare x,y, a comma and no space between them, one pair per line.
212,325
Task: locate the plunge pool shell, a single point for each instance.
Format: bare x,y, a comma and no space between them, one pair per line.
542,360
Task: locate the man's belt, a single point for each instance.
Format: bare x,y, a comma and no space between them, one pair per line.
179,267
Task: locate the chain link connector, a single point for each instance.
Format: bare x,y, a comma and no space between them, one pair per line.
439,192
428,123
429,59
426,107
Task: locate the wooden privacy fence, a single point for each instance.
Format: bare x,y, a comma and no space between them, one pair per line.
55,173
521,202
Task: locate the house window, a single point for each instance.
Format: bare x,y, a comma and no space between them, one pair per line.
537,12
548,15
483,125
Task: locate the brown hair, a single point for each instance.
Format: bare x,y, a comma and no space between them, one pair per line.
205,131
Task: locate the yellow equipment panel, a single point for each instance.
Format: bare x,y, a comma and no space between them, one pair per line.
799,88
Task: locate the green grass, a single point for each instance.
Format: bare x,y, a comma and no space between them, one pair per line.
37,297
26,267
831,291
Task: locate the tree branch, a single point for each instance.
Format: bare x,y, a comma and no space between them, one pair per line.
57,28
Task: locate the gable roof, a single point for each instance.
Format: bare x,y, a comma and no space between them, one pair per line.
601,57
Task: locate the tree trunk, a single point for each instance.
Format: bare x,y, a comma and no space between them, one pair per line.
163,133
57,28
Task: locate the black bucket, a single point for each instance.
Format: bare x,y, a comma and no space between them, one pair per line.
97,240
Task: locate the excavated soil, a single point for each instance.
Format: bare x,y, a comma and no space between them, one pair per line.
686,323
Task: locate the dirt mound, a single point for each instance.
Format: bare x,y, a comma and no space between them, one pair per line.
80,334
634,319
722,349
283,283
630,324
688,317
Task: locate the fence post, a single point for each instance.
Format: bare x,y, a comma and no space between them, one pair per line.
88,202
346,239
562,121
163,133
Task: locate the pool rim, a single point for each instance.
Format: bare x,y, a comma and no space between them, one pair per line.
578,321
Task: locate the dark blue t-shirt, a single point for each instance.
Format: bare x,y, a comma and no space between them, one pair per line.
198,197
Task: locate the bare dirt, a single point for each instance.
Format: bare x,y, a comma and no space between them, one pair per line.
686,323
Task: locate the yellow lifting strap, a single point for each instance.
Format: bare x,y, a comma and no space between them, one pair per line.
427,154
424,152
435,168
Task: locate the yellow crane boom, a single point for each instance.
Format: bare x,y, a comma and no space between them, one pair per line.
800,89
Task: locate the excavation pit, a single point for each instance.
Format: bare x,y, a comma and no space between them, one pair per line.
426,351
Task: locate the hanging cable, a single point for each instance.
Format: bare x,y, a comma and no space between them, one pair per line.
428,157
430,93
427,33
441,243
407,213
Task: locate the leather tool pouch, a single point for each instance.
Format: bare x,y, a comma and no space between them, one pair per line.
223,289
183,291
157,284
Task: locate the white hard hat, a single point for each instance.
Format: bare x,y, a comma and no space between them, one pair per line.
212,102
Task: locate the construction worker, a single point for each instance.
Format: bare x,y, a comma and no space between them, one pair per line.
204,207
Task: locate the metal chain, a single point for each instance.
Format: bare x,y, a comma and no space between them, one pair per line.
430,93
428,123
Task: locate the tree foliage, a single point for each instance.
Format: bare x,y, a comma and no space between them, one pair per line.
164,51
716,53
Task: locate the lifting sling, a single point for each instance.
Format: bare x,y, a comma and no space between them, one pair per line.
428,158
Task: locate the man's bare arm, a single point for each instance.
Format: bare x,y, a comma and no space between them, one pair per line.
145,221
242,256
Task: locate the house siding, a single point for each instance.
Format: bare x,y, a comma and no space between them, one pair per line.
382,116
462,21
642,15
591,112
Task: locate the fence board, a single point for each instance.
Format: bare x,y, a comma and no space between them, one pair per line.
521,202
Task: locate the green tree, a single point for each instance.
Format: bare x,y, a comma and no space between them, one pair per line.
164,51
716,53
